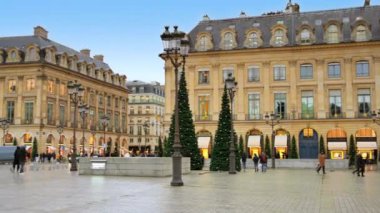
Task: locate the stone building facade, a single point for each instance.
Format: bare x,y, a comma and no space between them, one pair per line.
145,111
34,73
319,72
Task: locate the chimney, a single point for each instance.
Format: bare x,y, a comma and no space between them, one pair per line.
40,32
242,14
99,57
367,3
85,52
206,18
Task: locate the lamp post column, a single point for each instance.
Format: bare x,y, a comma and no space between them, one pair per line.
231,84
4,126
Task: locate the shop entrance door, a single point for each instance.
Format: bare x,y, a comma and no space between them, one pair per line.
308,146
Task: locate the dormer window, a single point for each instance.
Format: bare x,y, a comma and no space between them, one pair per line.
13,55
305,36
228,41
253,39
332,34
279,37
204,42
361,33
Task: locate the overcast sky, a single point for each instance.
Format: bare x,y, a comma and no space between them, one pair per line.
127,32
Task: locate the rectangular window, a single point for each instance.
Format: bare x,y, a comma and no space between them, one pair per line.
307,104
50,86
116,103
116,121
364,102
203,77
30,84
108,101
139,130
62,114
362,69
335,97
279,73
141,90
306,71
100,100
123,122
131,130
50,113
12,86
100,115
28,112
11,111
253,106
139,110
253,74
226,72
203,107
334,70
280,105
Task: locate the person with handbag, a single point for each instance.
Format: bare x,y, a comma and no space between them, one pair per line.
322,159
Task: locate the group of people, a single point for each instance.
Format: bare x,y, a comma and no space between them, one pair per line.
19,159
262,159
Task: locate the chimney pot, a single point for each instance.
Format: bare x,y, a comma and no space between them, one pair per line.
41,32
85,52
99,57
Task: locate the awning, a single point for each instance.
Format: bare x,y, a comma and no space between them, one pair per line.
280,141
203,142
254,141
366,145
337,145
52,148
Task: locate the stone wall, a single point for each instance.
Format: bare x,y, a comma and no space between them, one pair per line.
134,166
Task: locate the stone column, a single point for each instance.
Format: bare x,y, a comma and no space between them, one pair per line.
56,111
19,103
349,109
293,90
320,89
240,99
215,79
3,111
191,84
375,95
41,101
267,98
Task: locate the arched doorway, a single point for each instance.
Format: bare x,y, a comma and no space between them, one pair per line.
366,144
204,143
8,139
281,143
50,148
255,142
308,144
27,139
337,143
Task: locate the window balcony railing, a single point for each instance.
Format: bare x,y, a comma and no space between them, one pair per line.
250,117
283,116
26,121
203,117
332,115
307,115
51,122
363,115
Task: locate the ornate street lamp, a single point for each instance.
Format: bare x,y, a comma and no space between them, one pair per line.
60,131
105,120
231,89
76,92
175,47
83,112
5,126
272,120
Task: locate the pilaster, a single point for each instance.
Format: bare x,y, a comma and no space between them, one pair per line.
240,98
293,89
320,106
376,61
215,81
266,95
348,95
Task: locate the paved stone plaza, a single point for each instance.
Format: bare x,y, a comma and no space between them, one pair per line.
55,189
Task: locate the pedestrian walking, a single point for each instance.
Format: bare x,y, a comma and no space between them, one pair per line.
22,159
263,161
361,166
357,167
16,162
244,160
322,159
256,162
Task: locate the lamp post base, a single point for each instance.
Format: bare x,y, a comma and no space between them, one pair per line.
177,169
231,172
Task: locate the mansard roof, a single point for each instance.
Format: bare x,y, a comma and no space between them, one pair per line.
22,42
292,21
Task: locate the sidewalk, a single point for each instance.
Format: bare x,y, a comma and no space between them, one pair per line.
275,191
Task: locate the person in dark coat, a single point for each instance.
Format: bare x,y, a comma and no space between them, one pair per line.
22,158
16,161
263,161
244,160
361,166
256,162
357,163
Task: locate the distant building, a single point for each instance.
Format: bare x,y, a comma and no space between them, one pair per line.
317,71
34,73
145,111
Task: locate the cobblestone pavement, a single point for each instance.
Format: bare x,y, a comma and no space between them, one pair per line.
55,189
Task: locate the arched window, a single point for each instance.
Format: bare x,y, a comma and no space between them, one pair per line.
305,36
279,37
13,54
332,34
253,40
203,43
228,41
361,33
